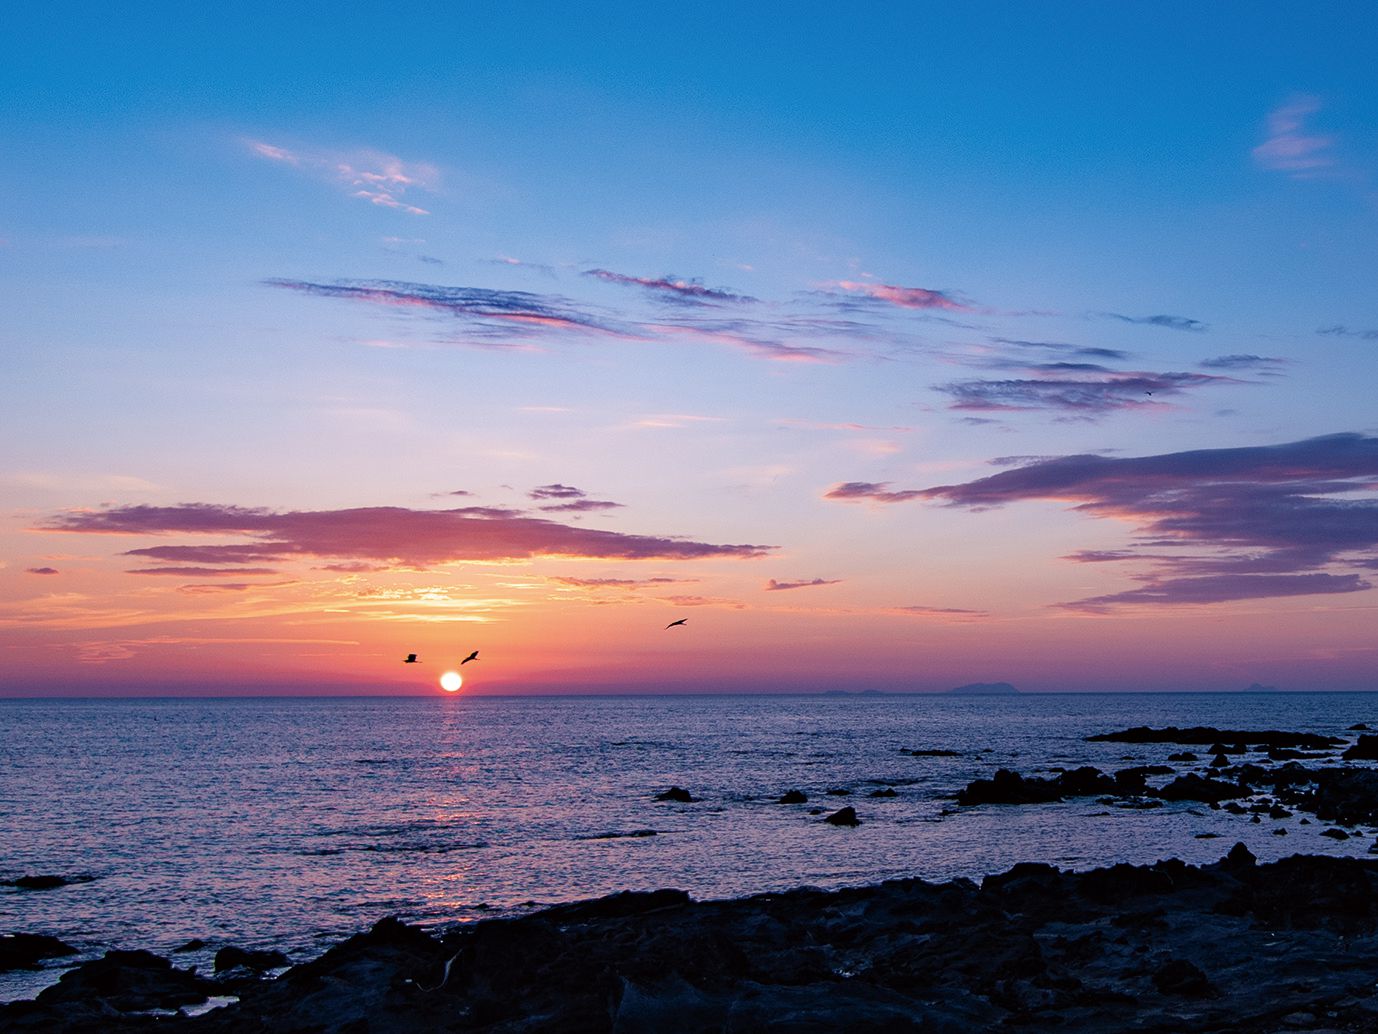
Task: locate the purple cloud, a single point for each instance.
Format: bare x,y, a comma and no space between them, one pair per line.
1065,349
1261,363
581,506
1340,330
556,491
1289,147
202,572
1170,322
1273,515
943,612
393,535
678,289
774,586
41,570
877,491
1087,396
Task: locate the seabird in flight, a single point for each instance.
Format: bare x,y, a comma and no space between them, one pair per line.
410,659
672,624
472,657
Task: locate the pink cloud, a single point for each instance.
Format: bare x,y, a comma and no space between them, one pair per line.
904,297
381,179
775,586
877,491
394,535
1289,147
40,570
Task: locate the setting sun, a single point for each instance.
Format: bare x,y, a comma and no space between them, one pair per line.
451,681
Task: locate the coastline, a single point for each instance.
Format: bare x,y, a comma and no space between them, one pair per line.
1234,945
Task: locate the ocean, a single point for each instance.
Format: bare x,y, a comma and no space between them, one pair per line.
294,822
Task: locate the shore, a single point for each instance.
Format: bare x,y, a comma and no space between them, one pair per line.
1233,946
1230,946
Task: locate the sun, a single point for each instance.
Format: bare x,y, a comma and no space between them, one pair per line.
451,681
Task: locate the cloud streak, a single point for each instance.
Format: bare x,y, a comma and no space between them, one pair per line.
373,176
392,535
1167,322
1097,392
903,297
673,288
776,586
1290,147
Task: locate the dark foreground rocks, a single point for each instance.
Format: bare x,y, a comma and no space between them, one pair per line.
1233,946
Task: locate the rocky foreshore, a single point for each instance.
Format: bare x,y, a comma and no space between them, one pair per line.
1234,946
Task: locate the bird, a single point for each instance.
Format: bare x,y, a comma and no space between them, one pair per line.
472,657
672,624
409,659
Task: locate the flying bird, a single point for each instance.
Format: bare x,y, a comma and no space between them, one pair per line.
472,657
672,624
410,659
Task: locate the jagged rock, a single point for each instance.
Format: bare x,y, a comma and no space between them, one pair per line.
1183,755
1335,834
838,791
793,797
843,817
195,944
676,793
1192,787
1358,727
1180,977
1366,749
1219,737
26,950
128,981
886,791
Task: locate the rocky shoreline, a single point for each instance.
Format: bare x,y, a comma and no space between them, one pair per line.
1231,946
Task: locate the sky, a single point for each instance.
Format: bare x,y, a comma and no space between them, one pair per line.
894,348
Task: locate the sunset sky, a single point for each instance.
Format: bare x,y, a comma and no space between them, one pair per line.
894,347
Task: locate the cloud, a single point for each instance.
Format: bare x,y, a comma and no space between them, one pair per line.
393,535
373,176
1273,516
958,613
1290,148
1342,331
581,506
1082,351
556,491
903,297
1088,397
678,289
626,584
1260,363
483,310
1170,322
202,572
41,570
876,491
774,586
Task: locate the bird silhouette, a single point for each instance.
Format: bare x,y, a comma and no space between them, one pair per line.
472,657
409,659
672,624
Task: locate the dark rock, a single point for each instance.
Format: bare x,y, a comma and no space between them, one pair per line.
1366,749
931,753
1219,737
1335,834
1007,787
46,881
1358,727
676,793
1180,977
1239,857
838,791
1220,761
843,817
884,792
793,797
613,906
229,957
195,944
1183,755
1192,787
129,981
26,950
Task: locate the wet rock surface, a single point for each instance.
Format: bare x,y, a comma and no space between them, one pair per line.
1234,946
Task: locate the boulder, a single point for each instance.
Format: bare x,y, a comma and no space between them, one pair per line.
230,957
1366,749
676,793
793,797
26,950
843,817
1192,787
129,981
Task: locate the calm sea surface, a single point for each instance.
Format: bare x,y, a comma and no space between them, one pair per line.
293,822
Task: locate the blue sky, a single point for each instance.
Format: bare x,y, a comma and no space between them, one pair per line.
305,259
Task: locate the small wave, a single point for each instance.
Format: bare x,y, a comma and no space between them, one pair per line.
619,836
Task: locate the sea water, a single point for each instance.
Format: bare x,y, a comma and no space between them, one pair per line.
293,822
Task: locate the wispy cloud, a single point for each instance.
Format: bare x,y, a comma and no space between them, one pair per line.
678,289
41,570
1340,330
776,586
1290,147
1087,397
571,500
902,297
1273,515
874,491
1258,363
393,535
1062,348
373,176
946,613
202,572
1167,322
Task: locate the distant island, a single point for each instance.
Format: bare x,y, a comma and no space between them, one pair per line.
983,689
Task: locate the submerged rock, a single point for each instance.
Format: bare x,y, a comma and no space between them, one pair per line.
45,881
793,797
26,950
676,793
